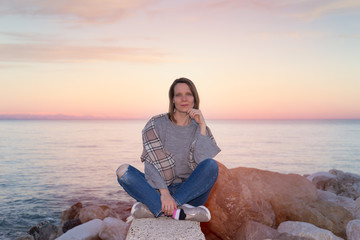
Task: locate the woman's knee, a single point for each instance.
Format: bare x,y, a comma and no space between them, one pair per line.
211,165
121,170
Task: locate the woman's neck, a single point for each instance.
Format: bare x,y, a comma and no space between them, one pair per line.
182,119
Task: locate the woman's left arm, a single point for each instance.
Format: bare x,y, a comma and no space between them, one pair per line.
205,146
197,115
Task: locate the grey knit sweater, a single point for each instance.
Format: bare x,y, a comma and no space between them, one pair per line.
177,140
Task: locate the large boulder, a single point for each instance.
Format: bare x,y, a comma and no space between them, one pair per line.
231,204
246,194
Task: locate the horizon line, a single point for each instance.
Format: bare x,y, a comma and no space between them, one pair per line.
89,117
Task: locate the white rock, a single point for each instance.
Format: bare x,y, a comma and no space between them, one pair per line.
320,174
353,230
303,229
345,202
113,229
357,209
87,231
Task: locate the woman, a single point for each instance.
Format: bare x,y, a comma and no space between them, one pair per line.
178,149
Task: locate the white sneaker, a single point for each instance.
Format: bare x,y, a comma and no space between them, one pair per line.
199,214
140,210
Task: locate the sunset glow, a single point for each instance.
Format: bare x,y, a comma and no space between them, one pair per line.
117,59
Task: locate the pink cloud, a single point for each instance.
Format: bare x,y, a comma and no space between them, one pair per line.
93,11
59,53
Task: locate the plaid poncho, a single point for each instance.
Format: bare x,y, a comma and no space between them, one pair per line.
155,153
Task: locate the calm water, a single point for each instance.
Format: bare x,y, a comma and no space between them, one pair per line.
46,166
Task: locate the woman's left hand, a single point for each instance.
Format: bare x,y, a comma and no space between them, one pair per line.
196,115
199,118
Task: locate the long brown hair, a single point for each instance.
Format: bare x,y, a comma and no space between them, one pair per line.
193,90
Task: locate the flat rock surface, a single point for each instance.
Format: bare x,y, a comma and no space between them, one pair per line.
164,228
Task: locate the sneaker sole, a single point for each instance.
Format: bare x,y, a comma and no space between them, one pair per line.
203,207
133,208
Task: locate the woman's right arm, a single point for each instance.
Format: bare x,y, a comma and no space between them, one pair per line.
153,176
168,204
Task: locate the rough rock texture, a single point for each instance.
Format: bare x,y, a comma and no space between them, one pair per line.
25,237
91,212
86,231
254,231
71,213
338,182
257,231
245,194
345,202
44,231
120,210
303,229
232,204
113,229
357,209
319,179
286,236
353,230
164,228
70,224
78,213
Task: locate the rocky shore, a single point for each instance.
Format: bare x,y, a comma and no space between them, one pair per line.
245,204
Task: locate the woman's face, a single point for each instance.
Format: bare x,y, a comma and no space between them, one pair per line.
183,98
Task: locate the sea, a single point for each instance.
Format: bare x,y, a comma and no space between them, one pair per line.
48,165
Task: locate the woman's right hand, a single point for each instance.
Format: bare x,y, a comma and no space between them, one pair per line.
168,203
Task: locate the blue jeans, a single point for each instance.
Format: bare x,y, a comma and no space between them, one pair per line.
194,191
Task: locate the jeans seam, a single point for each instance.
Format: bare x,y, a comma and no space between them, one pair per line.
157,214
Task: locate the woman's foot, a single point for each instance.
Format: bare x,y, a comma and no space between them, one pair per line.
140,210
188,212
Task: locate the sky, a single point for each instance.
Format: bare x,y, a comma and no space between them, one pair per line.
249,59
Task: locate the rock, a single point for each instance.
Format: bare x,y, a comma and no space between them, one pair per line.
345,202
286,236
232,204
71,213
357,209
91,212
25,237
71,224
319,179
245,194
344,184
87,231
121,210
303,229
254,231
353,230
164,228
43,231
113,229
